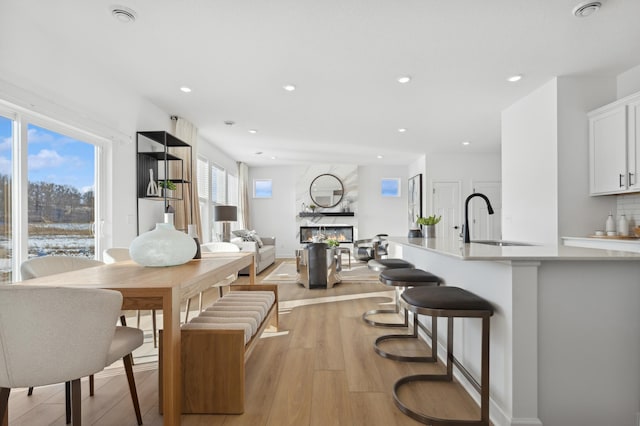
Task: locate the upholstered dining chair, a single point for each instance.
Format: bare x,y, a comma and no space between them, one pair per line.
49,265
216,247
75,333
121,254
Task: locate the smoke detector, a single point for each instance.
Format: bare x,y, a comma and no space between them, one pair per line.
123,14
584,9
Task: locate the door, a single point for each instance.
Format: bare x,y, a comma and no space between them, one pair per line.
445,199
484,226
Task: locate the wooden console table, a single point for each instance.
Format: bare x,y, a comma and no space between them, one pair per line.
159,288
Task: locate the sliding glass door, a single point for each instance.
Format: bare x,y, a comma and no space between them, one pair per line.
49,192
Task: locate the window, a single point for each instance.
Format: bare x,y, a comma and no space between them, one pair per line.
6,159
390,187
61,207
262,188
216,186
49,208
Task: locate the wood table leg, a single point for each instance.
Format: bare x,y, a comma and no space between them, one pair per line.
171,386
252,271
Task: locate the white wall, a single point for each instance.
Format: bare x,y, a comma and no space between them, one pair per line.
579,214
277,216
378,214
628,83
545,157
530,167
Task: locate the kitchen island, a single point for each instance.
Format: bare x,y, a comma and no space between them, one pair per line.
565,336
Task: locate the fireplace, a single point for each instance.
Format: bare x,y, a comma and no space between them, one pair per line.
342,233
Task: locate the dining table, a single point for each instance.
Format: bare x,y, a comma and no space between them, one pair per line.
159,288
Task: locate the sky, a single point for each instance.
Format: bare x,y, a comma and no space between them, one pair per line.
52,157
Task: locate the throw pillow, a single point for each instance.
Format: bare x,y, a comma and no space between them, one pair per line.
242,233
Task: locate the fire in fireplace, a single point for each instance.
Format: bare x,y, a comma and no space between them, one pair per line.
342,233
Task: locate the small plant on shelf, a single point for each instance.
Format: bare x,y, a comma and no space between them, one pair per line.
312,207
167,184
430,220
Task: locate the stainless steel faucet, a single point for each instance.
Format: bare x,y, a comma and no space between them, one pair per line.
466,213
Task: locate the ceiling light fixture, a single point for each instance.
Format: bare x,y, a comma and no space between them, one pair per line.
185,89
466,143
253,131
123,14
229,122
514,78
289,87
584,9
379,156
404,79
402,130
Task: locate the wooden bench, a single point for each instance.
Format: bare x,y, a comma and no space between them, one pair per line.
213,359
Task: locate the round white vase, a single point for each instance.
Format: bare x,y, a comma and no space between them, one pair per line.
163,246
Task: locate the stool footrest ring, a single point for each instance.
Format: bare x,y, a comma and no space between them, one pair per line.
385,324
396,357
424,418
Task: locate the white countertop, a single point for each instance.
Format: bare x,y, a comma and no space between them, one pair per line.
475,251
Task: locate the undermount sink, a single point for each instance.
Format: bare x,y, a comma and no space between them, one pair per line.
501,243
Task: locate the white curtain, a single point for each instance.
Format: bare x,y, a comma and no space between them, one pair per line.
243,196
188,211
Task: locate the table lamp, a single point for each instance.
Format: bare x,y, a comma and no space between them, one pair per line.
226,215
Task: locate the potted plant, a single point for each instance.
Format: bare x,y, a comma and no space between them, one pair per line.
429,224
332,242
312,207
167,185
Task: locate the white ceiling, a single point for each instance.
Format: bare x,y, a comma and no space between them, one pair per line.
344,57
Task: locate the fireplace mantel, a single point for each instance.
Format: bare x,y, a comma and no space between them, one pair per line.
322,214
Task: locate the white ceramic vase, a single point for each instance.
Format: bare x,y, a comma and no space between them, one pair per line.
163,246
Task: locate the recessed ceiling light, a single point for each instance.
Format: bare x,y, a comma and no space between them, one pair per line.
253,131
584,9
465,143
229,122
185,89
514,78
404,79
379,156
274,158
402,130
289,87
123,14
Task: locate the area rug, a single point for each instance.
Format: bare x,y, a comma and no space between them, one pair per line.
286,273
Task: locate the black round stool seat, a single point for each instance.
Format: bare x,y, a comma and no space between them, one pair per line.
449,302
445,298
400,277
408,277
382,264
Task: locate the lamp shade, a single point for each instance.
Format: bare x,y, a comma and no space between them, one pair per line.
225,213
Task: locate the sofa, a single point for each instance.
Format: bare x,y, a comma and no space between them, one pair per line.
263,249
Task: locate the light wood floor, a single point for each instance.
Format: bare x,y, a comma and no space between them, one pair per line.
319,369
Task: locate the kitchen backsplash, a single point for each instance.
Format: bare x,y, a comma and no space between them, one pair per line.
629,205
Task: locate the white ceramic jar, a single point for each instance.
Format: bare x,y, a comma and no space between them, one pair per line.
163,246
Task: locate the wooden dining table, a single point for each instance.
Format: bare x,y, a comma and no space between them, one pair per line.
159,288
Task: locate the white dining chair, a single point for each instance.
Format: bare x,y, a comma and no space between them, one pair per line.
75,335
121,254
49,265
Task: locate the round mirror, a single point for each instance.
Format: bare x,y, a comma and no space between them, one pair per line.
326,191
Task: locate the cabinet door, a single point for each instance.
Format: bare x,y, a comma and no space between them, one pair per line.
633,145
608,151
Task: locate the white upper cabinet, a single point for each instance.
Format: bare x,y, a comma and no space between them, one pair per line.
614,147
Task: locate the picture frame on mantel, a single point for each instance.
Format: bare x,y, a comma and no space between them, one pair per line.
414,195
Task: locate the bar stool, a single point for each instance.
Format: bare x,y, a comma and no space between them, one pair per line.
379,265
400,277
449,302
